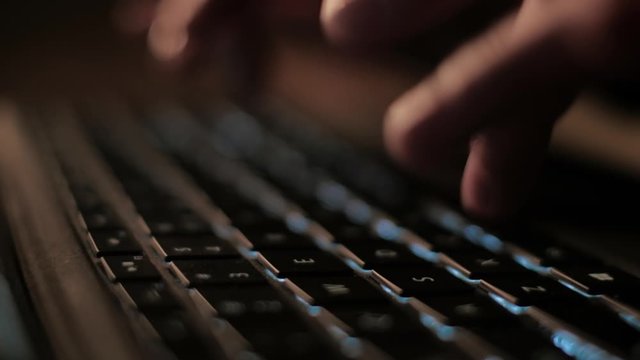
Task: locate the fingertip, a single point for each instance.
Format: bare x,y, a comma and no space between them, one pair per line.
396,128
482,197
167,45
349,22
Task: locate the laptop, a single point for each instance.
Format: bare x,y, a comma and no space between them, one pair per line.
217,231
182,228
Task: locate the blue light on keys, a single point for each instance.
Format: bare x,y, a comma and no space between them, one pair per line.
424,253
351,347
387,230
332,195
576,347
358,211
444,332
491,242
512,308
297,223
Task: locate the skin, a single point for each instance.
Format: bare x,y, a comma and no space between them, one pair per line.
497,96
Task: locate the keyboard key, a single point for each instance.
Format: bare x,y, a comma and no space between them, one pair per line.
520,342
629,298
424,280
216,272
279,240
597,321
441,240
116,242
101,219
473,309
483,264
177,224
281,336
384,253
234,301
343,230
135,267
87,199
555,255
393,331
339,290
200,246
375,319
150,295
179,337
417,346
254,220
602,280
305,262
549,251
451,244
528,289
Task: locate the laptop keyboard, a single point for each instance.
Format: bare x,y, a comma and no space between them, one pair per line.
269,239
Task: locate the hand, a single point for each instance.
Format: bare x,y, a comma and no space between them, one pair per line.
498,95
187,34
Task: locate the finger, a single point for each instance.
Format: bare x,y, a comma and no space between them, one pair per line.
134,17
169,31
184,28
502,167
363,22
519,72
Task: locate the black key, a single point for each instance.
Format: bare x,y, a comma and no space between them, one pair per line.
549,251
150,295
451,244
597,321
554,255
424,280
101,219
520,342
215,272
339,290
395,332
474,309
528,289
603,280
441,240
281,336
199,246
159,204
177,334
87,199
279,240
229,202
350,233
305,262
135,267
237,301
630,298
483,264
343,230
250,220
117,242
177,224
384,253
375,320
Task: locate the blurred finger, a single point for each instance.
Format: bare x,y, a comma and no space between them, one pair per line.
502,166
134,17
168,33
365,22
520,72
